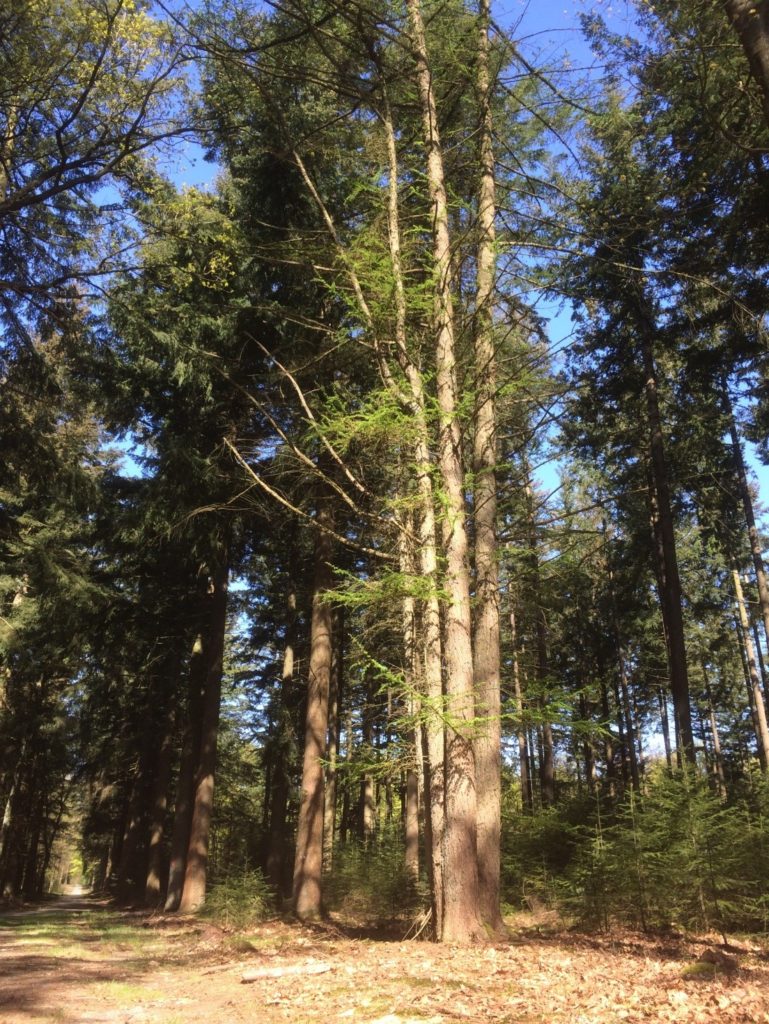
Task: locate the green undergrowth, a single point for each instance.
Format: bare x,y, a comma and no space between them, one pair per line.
675,856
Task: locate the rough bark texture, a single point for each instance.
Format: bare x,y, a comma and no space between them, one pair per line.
153,881
486,657
194,892
433,761
334,731
180,835
308,862
461,921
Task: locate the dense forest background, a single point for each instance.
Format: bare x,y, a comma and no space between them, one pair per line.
286,611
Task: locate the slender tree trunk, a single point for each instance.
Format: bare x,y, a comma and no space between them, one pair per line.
194,891
411,679
486,665
275,865
718,760
308,862
425,529
762,730
608,743
527,795
668,573
461,920
665,725
747,504
587,749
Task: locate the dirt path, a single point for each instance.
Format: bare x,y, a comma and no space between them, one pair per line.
79,962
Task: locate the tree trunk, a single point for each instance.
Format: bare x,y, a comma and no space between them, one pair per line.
461,920
747,505
425,529
153,881
668,573
486,664
718,760
665,725
334,730
527,795
194,891
180,835
308,862
762,730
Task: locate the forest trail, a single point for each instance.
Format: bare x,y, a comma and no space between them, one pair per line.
81,962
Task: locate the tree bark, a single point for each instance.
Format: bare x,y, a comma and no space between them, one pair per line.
153,881
334,731
486,632
180,834
747,505
754,684
671,599
308,862
196,868
461,920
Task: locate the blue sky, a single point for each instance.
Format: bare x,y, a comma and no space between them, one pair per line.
551,31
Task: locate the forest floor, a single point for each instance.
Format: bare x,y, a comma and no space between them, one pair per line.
78,961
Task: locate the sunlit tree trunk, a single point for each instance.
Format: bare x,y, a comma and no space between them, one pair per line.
486,664
461,921
754,685
308,860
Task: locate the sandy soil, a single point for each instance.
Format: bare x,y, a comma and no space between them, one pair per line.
80,961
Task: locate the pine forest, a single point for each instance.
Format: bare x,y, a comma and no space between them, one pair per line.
381,538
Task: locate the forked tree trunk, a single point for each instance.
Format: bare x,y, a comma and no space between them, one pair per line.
194,891
486,663
461,920
308,862
433,760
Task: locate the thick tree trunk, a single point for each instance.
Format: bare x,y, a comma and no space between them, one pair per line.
668,573
486,664
762,730
334,731
196,868
308,862
180,834
154,879
750,20
461,920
